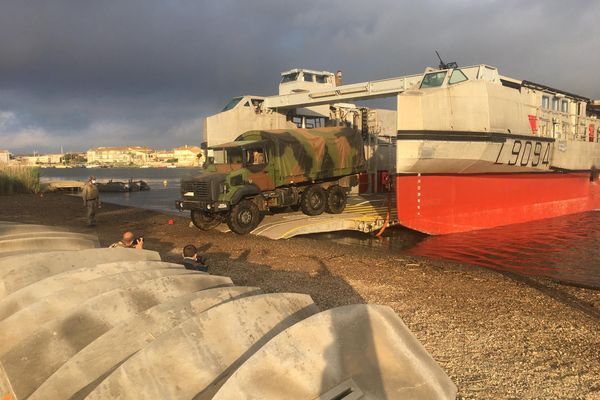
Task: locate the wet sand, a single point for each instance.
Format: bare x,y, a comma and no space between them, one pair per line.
498,336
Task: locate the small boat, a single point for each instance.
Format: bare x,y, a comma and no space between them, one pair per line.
123,187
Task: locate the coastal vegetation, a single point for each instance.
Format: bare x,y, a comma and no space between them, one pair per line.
19,179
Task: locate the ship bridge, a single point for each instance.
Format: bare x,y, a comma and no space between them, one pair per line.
372,89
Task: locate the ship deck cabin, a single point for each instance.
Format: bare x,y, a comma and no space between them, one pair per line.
517,106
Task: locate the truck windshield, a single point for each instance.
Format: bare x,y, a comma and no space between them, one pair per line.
234,102
234,155
433,79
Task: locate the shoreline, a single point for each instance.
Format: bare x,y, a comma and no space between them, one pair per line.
496,335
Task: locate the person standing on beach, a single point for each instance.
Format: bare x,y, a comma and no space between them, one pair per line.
91,200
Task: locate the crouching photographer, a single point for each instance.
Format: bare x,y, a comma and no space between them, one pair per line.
129,241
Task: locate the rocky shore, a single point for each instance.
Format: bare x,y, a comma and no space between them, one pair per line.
497,336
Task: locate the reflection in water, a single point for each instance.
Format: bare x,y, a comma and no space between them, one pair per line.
566,249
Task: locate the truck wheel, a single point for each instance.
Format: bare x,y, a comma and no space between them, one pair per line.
244,217
203,220
336,200
313,200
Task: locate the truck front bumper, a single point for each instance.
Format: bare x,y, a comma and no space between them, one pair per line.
182,205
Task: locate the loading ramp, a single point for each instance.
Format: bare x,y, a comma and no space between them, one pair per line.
364,213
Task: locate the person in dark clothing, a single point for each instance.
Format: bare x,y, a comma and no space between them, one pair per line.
191,259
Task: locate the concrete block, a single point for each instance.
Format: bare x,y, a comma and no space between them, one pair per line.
38,354
27,295
84,371
46,243
191,360
59,303
9,228
22,270
48,233
358,351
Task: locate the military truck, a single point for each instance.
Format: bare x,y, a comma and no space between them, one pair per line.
264,170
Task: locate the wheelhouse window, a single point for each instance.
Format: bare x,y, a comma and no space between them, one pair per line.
234,102
290,77
433,79
321,79
555,104
564,106
457,76
308,77
545,102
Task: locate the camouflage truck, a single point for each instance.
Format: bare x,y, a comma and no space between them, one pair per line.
308,169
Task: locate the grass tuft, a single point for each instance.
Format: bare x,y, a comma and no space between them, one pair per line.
18,179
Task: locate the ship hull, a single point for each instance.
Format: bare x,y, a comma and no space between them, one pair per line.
451,203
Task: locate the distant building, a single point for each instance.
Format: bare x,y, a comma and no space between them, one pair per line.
188,155
4,156
163,155
137,155
42,159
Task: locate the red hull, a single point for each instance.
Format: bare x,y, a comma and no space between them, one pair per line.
440,204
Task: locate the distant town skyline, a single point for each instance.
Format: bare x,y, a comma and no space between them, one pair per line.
133,72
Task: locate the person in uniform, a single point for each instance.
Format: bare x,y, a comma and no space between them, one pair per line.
129,241
91,200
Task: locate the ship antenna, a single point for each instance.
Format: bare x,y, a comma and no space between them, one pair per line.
443,65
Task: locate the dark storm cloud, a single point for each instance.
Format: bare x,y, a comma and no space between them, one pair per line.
89,73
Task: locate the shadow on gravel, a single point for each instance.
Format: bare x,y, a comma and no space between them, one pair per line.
327,290
555,293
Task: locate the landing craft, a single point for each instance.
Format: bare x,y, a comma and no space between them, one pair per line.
476,150
469,148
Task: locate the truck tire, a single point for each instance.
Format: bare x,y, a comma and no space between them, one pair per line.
244,217
203,220
313,200
336,200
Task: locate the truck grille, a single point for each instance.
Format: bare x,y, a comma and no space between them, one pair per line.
200,189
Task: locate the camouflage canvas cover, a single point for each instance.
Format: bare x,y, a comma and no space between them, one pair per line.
311,154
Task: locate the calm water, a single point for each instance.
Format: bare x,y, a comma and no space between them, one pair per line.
565,249
160,197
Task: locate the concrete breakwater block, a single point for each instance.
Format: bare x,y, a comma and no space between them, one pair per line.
358,351
119,323
59,303
49,243
191,360
27,295
38,354
80,375
10,228
18,271
50,233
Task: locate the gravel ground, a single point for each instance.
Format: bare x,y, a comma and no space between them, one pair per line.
498,336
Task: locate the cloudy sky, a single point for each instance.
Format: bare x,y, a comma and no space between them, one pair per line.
81,73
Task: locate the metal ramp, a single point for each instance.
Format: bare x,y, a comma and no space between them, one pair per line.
364,213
